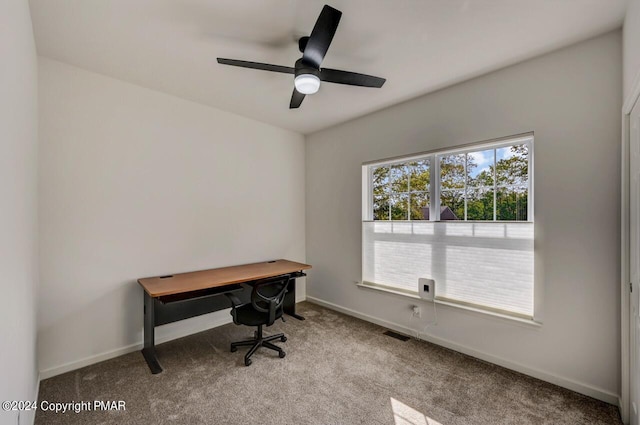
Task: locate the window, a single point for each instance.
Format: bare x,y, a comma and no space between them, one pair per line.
463,217
401,191
489,184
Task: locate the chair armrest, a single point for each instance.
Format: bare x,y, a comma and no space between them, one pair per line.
235,301
272,312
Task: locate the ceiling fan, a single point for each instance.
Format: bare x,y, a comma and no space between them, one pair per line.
307,71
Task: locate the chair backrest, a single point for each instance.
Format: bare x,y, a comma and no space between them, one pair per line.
268,296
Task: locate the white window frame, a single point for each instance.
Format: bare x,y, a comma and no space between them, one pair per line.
434,185
434,213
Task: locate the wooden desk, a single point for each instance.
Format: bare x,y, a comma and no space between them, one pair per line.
176,297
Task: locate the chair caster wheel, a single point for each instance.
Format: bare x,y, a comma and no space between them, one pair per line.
247,362
282,354
234,349
283,338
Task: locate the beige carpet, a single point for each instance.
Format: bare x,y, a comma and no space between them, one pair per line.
338,370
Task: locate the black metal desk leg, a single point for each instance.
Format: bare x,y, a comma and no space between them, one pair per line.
149,350
290,301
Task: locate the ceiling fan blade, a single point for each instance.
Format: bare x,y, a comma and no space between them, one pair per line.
257,65
350,78
296,99
321,36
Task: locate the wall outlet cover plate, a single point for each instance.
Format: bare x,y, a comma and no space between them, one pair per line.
426,288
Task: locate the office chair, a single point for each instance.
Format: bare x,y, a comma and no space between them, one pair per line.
267,299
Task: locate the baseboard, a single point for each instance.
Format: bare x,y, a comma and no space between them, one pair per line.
37,399
97,358
29,416
625,421
568,383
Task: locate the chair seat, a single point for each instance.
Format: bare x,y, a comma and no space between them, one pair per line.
249,316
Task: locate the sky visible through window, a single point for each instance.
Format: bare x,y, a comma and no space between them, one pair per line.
484,159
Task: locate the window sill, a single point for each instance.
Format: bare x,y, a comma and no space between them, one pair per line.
513,319
389,290
452,221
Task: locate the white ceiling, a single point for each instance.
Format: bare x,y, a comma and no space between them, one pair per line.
418,45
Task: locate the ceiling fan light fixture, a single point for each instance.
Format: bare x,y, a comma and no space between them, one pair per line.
307,83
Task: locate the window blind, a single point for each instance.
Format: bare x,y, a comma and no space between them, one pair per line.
484,264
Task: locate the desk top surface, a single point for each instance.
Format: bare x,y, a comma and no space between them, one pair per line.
205,279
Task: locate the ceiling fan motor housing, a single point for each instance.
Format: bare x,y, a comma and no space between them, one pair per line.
303,68
302,43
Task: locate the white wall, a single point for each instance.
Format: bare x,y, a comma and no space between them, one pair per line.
18,213
631,46
571,99
136,183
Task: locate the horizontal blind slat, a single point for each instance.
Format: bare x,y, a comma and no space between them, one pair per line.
488,264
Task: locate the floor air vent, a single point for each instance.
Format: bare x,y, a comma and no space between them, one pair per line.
396,335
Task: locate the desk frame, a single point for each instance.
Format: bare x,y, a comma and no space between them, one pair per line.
164,309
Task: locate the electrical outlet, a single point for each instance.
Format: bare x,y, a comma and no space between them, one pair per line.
416,311
426,288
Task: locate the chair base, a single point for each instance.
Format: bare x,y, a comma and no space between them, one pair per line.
259,341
